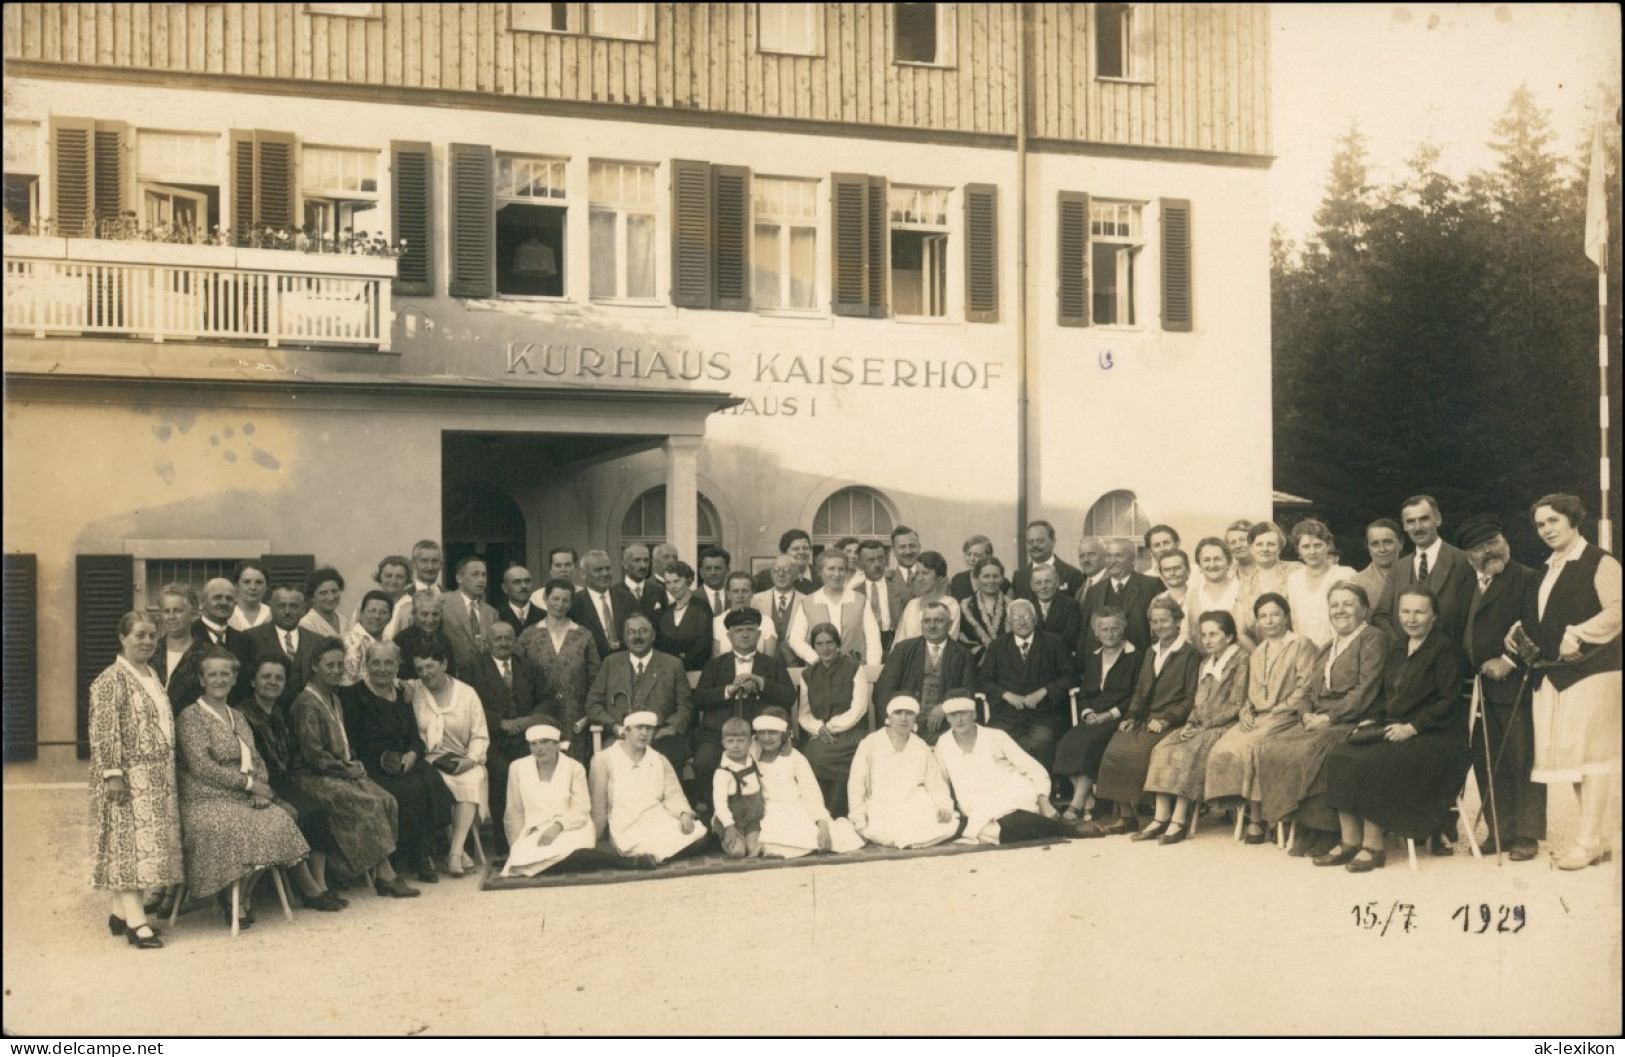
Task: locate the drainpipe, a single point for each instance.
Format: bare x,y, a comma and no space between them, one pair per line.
1023,383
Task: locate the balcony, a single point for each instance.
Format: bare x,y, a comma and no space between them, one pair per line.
175,292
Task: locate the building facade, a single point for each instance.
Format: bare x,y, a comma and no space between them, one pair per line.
313,281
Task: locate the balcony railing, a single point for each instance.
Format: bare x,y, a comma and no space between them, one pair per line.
168,292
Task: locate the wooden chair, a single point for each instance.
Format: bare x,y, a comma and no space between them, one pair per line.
277,878
1472,838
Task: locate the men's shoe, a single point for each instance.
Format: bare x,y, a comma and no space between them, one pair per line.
396,889
1441,845
1523,849
426,872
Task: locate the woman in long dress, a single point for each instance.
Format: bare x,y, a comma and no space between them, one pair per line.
1278,677
834,702
930,585
1110,673
232,824
1287,776
1178,766
451,721
1571,633
1406,781
795,820
362,816
135,822
384,736
896,793
1001,790
986,613
1308,586
549,811
565,655
637,800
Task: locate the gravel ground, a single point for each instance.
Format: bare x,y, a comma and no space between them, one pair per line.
1096,937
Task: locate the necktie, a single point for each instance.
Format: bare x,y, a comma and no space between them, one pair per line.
1043,611
287,644
507,674
474,615
1023,646
607,620
874,599
783,607
1422,567
1483,584
637,592
637,668
716,601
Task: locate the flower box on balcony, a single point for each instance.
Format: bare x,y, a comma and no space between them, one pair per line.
301,263
175,254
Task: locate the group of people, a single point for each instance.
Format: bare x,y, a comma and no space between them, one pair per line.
252,727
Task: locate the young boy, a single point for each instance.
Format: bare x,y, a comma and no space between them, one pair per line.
736,790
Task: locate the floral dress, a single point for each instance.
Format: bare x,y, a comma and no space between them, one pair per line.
136,844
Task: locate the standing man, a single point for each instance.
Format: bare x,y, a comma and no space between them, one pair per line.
883,590
509,692
468,616
975,549
1058,612
427,564
1091,563
796,545
777,605
642,679
714,565
661,559
905,548
637,589
283,637
926,668
1041,552
517,608
598,608
1435,563
1502,585
561,565
213,628
1026,674
740,683
1122,587
741,594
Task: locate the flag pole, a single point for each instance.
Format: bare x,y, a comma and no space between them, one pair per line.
1596,246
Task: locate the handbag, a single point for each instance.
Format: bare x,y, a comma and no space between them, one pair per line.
1368,735
448,763
391,763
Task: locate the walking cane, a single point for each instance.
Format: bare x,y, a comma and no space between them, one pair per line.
1506,735
1478,715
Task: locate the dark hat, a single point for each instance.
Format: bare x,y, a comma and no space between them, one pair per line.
1476,530
738,617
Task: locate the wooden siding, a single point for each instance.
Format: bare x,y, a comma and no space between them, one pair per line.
1208,86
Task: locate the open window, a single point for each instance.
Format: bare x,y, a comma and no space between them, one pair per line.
532,206
923,34
178,179
919,250
340,187
1115,242
1123,47
22,174
617,21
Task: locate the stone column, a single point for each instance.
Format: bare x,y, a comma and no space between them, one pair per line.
682,495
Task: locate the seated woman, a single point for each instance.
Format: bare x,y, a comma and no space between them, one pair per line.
1287,773
683,628
368,628
795,821
1002,792
637,800
834,702
1179,763
325,588
1109,676
362,816
384,736
984,616
1162,699
226,828
548,816
896,794
275,745
1407,779
451,722
1278,677
930,584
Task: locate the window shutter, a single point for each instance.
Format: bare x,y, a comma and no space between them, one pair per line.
1072,260
981,253
691,228
20,691
106,591
411,168
264,183
287,570
730,213
73,201
242,186
848,285
877,260
1176,264
111,169
472,255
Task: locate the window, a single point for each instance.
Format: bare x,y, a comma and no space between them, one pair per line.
854,511
340,186
785,253
531,211
1115,243
22,172
793,29
1123,42
621,223
620,21
645,520
923,33
1117,516
178,178
344,10
919,250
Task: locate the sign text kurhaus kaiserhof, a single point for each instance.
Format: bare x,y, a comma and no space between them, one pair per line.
764,371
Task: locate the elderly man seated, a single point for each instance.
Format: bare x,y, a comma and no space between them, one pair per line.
1003,792
636,798
1026,673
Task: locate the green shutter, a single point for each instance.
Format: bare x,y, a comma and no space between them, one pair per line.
287,570
877,256
20,692
1072,260
1176,265
730,218
981,253
264,183
691,234
73,195
859,247
411,168
472,256
105,587
111,169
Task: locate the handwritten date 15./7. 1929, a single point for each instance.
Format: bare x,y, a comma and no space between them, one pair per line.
1479,919
1476,919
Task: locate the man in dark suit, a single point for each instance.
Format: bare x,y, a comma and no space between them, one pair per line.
637,589
741,683
962,585
926,668
1026,674
1041,551
283,637
508,687
596,602
467,616
795,545
428,613
1498,594
715,563
1125,588
1058,613
642,679
777,605
883,591
212,629
516,607
1435,563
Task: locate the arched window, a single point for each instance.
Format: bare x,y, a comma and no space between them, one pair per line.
645,521
1117,516
859,512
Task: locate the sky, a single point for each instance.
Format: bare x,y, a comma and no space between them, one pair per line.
1412,72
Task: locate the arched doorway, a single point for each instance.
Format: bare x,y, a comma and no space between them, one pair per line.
482,520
